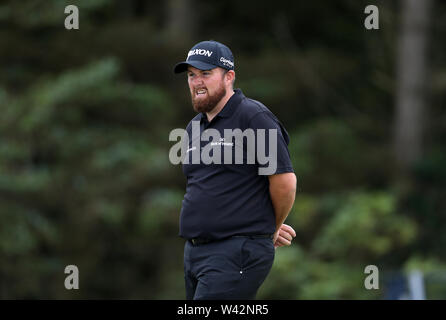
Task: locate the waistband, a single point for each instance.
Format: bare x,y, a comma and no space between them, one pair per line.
198,241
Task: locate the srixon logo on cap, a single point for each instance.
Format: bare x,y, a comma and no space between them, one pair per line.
201,52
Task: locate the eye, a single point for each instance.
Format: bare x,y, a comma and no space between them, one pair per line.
206,73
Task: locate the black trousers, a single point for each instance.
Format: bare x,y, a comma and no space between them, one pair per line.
233,268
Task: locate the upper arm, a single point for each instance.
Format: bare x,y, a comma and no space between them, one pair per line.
282,160
283,181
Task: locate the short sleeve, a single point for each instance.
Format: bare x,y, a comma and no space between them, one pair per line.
272,154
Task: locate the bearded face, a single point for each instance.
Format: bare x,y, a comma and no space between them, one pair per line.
206,88
205,101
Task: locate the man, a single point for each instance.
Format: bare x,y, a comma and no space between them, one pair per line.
231,216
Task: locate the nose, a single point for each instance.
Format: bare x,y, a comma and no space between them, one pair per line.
197,80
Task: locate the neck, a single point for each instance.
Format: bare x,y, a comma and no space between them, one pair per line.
220,105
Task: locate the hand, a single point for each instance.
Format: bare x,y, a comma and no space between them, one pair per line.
284,236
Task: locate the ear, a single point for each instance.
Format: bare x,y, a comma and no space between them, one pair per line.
230,75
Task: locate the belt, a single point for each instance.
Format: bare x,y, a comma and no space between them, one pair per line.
198,241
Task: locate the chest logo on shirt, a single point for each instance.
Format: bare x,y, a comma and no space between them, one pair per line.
260,146
222,142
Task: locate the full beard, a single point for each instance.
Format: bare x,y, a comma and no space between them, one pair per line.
210,102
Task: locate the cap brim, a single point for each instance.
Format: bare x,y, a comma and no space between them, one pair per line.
182,66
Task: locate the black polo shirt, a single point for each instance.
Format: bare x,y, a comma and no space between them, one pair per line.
228,199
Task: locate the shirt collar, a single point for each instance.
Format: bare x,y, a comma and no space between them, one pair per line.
230,106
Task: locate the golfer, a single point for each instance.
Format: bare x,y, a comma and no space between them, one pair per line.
232,216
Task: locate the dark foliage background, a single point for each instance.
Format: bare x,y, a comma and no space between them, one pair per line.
85,116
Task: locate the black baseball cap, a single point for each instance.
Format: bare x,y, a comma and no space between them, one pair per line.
207,55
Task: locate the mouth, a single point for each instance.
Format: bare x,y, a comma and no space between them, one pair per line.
200,92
